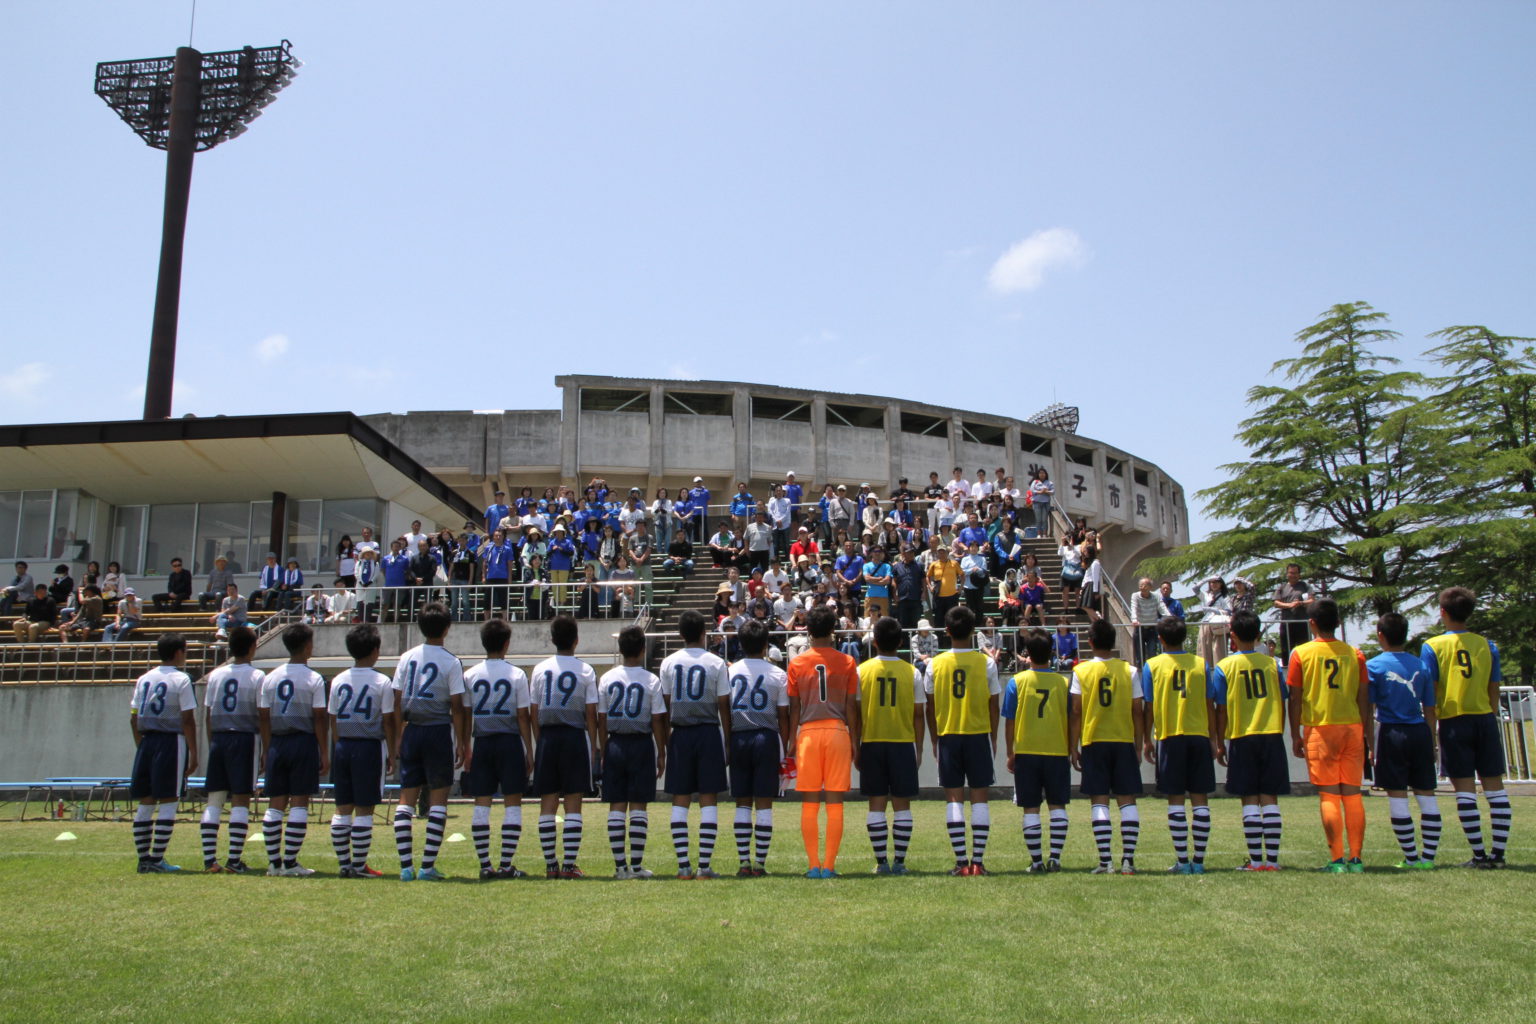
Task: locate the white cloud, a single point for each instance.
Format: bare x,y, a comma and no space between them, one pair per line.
25,383
272,348
682,371
1022,268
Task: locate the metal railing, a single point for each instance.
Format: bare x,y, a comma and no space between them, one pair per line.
125,659
599,599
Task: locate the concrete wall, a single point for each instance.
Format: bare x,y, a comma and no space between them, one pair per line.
780,446
698,445
856,454
610,440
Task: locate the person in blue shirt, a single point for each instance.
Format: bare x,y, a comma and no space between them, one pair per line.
1404,697
1064,644
496,511
973,535
698,497
291,586
267,588
877,583
590,541
742,506
498,556
683,514
524,502
561,555
794,492
1009,549
396,575
1174,605
850,566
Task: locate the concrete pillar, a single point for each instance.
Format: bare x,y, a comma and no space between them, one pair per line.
570,418
955,433
893,444
819,443
279,526
658,459
1011,452
741,426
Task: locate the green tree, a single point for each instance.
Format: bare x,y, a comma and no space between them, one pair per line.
1488,401
1345,476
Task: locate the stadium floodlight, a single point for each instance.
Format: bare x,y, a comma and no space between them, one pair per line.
184,105
1058,417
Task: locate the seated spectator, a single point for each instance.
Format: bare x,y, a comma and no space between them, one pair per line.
776,576
1063,646
62,589
40,616
755,583
679,554
344,603
722,605
268,592
1032,594
738,585
219,579
178,588
786,606
233,611
130,614
807,572
925,645
18,591
1010,605
724,547
316,607
112,583
88,615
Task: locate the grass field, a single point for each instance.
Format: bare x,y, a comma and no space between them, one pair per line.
85,938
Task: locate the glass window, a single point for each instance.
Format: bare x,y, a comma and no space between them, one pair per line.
170,536
345,518
36,511
304,532
223,528
126,544
10,519
261,538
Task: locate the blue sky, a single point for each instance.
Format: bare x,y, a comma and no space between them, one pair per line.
1130,207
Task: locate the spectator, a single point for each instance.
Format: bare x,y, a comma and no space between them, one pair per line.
343,603
346,560
795,494
397,576
1010,603
622,581
591,597
1032,597
631,515
870,515
534,544
18,591
496,511
973,535
1063,646
661,519
910,584
902,492
88,615
943,581
463,561
219,579
698,498
724,547
422,572
759,540
1146,608
849,570
975,580
807,573
561,558
608,551
742,506
679,554
369,575
1071,573
1092,580
641,549
1008,550
786,606
722,606
130,614
233,611
411,541
779,519
1216,615
805,546
316,607
1242,597
776,576
958,488
1041,493
366,544
1176,607
841,512
178,588
1292,598
924,645
112,582
39,617
534,591
292,584
1006,488
269,585
498,556
981,490
62,589
877,584
683,516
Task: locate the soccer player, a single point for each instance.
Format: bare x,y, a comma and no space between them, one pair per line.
964,705
759,738
1182,719
1107,718
632,729
824,725
1250,712
892,709
1330,701
564,693
431,736
502,725
163,716
293,723
1404,698
363,726
1465,670
697,688
1037,704
233,723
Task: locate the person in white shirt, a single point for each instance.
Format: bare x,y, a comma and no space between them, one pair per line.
982,488
958,486
342,604
778,515
785,607
367,543
414,538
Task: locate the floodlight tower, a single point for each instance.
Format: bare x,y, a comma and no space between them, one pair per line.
184,105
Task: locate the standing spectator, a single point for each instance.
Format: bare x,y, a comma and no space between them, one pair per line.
498,555
1008,549
779,518
840,511
608,551
902,491
795,495
130,613
346,560
1071,574
369,544
40,616
496,511
975,579
1292,598
958,488
535,594
981,490
219,579
369,574
461,576
268,586
1174,605
943,581
422,572
910,584
661,518
1041,493
632,514
1146,608
233,611
742,504
178,588
641,550
397,576
87,616
698,497
1242,596
870,515
1092,580
1005,488
19,590
973,535
1216,609
877,583
684,516
292,584
759,541
622,582
412,540
562,556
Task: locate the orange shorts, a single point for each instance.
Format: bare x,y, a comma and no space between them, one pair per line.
1335,755
824,757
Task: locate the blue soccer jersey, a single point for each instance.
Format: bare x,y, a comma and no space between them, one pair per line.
1400,686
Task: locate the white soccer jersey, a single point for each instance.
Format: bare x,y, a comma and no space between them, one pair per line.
694,680
231,696
427,678
291,693
497,690
758,689
629,696
159,698
562,686
360,698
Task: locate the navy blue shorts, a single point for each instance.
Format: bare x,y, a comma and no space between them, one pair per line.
755,758
888,769
629,768
562,762
1405,756
159,766
1185,765
1471,745
1257,765
497,766
426,756
231,763
1037,776
293,765
357,772
696,760
966,760
1111,767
